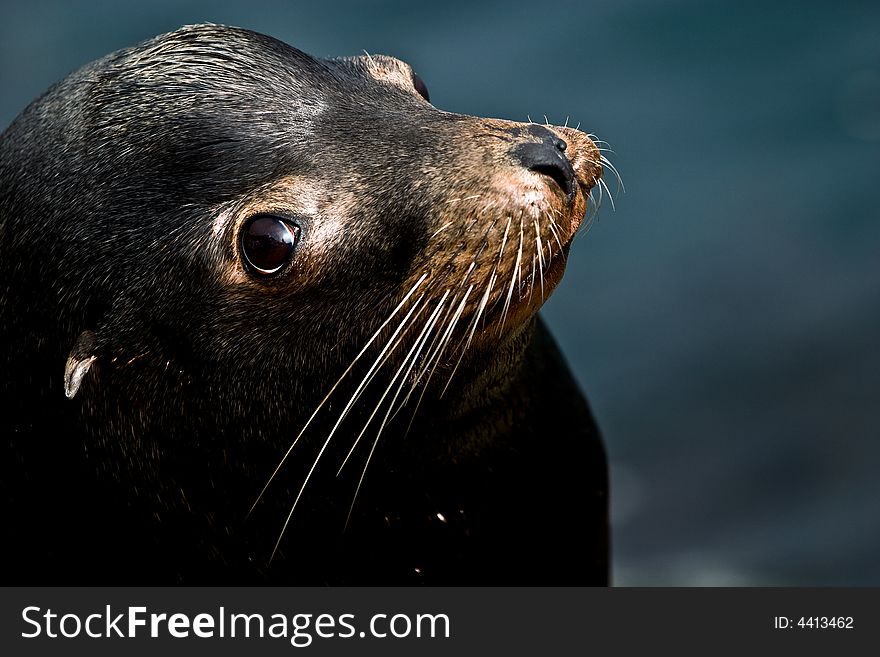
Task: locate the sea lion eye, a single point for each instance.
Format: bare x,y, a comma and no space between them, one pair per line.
267,243
421,87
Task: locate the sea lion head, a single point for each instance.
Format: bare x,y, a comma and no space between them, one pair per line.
209,229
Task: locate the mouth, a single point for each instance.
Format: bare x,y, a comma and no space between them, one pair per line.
561,174
563,179
572,211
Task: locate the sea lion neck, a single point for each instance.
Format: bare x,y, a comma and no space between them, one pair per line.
477,405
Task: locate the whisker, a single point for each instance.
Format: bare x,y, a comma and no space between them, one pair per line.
411,358
481,309
466,198
608,164
441,229
504,238
540,257
435,359
514,275
602,183
531,282
518,269
554,229
474,324
501,252
364,382
437,343
336,385
463,282
422,336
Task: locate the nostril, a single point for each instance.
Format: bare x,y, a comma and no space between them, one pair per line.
546,158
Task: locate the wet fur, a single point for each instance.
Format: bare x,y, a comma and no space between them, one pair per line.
123,189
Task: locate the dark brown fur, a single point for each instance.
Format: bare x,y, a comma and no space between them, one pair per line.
124,191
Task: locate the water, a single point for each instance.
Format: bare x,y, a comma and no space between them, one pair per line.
724,320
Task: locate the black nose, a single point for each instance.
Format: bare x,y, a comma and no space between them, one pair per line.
547,157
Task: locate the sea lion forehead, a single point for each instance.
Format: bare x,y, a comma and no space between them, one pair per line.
232,65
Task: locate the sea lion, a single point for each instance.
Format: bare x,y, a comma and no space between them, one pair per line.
272,318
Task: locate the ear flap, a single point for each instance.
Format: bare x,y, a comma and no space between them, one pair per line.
79,362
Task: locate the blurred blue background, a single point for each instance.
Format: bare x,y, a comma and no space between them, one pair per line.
724,321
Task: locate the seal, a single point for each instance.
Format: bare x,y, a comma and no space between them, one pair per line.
272,318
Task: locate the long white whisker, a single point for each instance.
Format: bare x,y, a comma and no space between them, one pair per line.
433,359
464,281
411,358
514,276
540,257
474,324
602,183
504,238
367,378
608,164
531,281
554,229
406,360
336,385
